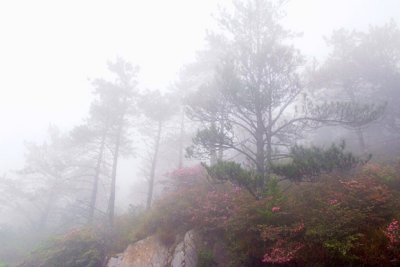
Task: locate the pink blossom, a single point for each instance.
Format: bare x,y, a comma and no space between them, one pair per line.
282,252
333,202
393,233
276,209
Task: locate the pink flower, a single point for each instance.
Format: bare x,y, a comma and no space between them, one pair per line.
333,202
393,233
283,252
276,209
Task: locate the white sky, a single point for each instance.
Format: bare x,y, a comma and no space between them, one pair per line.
50,49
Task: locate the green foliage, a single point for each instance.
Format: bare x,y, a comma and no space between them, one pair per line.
233,172
205,141
388,174
309,163
77,248
124,225
205,258
341,217
339,220
170,215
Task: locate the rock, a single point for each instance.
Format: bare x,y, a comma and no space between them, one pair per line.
147,252
185,254
151,252
115,260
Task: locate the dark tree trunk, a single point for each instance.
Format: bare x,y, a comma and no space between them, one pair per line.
154,166
46,212
111,202
220,156
361,140
93,198
181,137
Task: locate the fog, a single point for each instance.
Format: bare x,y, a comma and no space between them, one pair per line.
54,55
51,50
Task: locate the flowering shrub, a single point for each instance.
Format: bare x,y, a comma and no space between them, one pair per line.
187,174
341,216
336,221
184,177
215,208
276,209
392,233
387,174
282,252
285,241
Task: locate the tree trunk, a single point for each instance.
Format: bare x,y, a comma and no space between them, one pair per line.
92,205
111,202
153,166
359,132
46,212
221,141
260,158
260,148
181,137
213,148
269,145
361,140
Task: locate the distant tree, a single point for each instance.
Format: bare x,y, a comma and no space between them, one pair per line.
158,109
266,103
364,67
206,104
92,139
50,179
113,110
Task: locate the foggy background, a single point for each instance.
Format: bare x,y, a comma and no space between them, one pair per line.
51,50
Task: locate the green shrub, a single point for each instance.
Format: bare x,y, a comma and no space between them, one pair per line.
77,248
205,258
309,163
340,215
338,220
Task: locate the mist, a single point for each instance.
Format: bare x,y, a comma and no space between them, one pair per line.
108,109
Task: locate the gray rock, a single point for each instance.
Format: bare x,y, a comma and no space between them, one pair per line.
115,260
147,252
150,252
185,254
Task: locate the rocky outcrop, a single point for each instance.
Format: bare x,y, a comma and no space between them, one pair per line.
185,254
151,252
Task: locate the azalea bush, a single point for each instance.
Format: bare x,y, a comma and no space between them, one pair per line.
342,219
392,233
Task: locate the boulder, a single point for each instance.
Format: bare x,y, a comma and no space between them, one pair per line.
185,254
151,252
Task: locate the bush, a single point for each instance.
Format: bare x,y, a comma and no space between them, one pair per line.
205,258
77,248
341,217
339,220
307,164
